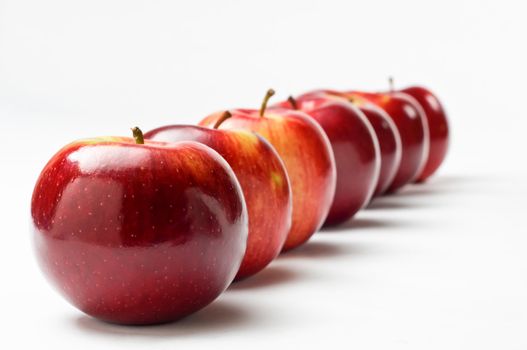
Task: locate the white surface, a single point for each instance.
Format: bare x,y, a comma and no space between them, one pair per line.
439,266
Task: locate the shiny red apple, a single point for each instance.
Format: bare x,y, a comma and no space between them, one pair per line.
389,141
307,156
411,123
356,150
263,179
385,130
437,126
138,233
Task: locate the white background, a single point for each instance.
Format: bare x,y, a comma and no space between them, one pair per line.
439,266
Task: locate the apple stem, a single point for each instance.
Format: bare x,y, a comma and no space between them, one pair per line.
226,115
268,95
390,82
292,101
138,135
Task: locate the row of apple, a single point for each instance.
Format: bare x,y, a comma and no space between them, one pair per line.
152,228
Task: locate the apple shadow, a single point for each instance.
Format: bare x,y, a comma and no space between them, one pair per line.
420,189
362,224
218,317
316,249
390,202
408,197
440,185
270,276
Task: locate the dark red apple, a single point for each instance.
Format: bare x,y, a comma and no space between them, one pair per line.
138,233
262,177
437,126
389,141
385,130
411,123
356,150
307,156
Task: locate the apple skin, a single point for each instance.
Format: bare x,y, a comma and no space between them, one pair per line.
306,152
389,141
138,233
356,150
411,123
385,130
264,182
437,126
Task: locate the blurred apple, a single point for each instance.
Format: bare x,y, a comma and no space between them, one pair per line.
356,150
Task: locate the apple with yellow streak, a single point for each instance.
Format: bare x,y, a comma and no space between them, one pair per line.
307,155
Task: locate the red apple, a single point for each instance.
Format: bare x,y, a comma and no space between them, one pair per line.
437,126
356,150
389,141
138,233
307,156
262,177
411,123
385,130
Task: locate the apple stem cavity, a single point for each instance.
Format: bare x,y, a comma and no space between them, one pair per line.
268,95
226,115
391,83
138,135
292,102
